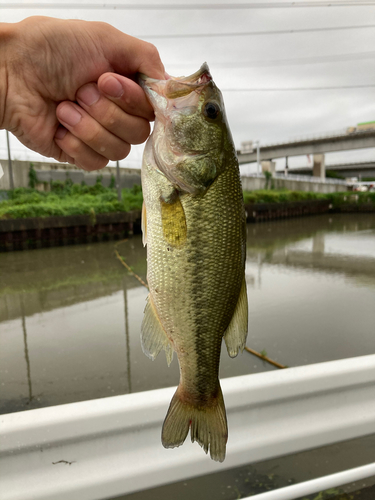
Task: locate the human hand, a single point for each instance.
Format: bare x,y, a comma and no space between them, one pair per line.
67,91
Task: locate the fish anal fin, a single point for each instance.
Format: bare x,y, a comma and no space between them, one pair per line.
153,336
208,424
144,225
174,222
236,333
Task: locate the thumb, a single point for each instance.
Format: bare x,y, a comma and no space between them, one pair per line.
129,55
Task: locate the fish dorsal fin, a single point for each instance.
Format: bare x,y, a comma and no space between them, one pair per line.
144,225
174,222
236,333
153,336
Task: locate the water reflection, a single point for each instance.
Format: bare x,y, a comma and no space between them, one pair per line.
70,317
77,313
27,359
342,246
311,287
127,337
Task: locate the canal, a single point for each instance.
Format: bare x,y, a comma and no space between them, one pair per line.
70,318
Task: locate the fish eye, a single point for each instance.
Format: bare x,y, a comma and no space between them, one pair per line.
211,110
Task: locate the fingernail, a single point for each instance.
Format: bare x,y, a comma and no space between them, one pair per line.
88,94
60,133
112,87
69,115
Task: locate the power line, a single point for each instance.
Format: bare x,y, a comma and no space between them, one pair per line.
286,62
254,33
297,89
187,6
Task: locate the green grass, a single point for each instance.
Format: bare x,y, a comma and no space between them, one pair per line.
338,199
66,198
284,196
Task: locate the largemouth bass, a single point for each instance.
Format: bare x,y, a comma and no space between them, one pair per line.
194,224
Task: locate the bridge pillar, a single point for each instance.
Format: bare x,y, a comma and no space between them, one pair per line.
319,167
268,166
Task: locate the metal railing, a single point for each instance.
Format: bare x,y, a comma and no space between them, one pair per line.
109,447
300,178
316,485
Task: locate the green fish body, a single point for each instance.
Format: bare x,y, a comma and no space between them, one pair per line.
194,225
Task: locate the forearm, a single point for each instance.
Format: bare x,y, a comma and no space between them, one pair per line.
7,35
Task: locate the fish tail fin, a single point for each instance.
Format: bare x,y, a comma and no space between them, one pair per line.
208,425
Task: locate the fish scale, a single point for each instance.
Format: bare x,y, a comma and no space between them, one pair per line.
195,228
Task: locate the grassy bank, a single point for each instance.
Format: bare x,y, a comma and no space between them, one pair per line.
66,198
284,196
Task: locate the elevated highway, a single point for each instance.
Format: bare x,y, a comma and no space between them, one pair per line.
315,145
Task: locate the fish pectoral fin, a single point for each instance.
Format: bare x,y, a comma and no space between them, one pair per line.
144,225
174,222
153,336
236,333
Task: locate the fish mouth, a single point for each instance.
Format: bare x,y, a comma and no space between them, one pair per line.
200,77
175,87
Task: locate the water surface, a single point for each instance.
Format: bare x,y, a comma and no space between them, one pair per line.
70,316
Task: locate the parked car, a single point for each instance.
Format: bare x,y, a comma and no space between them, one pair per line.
360,188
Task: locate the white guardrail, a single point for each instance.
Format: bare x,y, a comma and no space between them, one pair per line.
107,447
300,178
310,178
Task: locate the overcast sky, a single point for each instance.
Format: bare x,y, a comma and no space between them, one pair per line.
327,58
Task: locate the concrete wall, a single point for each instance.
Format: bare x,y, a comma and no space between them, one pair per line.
20,174
61,171
253,183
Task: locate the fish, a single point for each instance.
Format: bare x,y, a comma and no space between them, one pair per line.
194,226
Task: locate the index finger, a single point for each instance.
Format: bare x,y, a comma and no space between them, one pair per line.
127,94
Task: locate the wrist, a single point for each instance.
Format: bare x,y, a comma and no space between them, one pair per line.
7,33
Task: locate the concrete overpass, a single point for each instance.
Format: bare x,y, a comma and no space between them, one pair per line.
359,139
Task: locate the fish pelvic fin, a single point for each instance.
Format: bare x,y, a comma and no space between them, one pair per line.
236,333
208,425
153,336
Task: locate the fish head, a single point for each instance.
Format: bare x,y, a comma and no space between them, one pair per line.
190,129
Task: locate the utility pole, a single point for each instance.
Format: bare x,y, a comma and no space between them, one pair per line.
258,162
10,168
118,181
